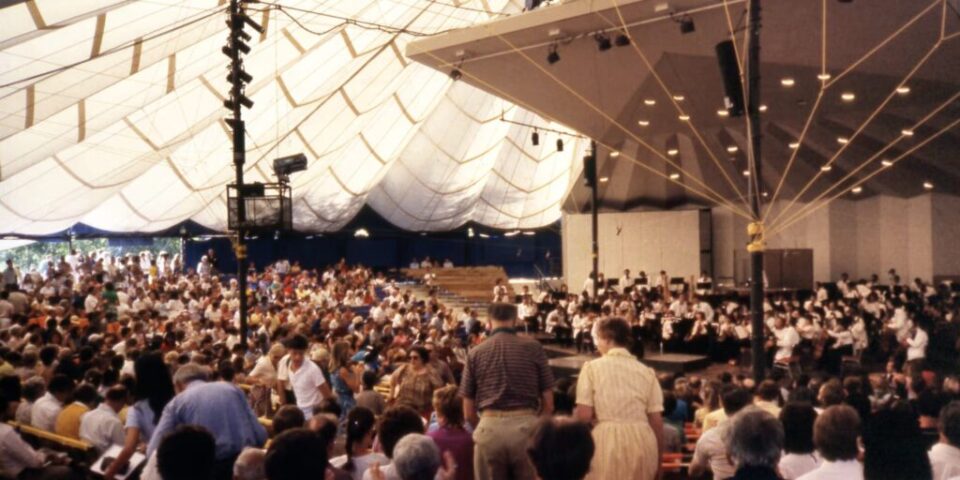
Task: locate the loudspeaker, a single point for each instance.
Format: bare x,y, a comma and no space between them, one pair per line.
730,72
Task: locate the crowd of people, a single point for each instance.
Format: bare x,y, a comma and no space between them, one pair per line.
347,375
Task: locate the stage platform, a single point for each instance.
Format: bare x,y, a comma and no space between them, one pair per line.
566,363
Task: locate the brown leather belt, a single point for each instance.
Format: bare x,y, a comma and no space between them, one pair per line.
522,412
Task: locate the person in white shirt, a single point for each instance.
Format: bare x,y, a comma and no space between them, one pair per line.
799,454
711,451
101,427
44,413
305,378
917,345
17,458
785,339
945,455
835,434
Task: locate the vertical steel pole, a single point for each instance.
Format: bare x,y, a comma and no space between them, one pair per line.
756,254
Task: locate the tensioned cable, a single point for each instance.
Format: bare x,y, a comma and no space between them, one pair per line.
893,162
877,154
605,115
718,199
859,130
826,83
670,97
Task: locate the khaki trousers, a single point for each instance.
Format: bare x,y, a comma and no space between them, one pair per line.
500,448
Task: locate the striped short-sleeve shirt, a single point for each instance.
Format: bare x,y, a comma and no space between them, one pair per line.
506,372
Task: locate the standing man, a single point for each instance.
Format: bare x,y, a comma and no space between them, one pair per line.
11,277
219,407
303,376
507,379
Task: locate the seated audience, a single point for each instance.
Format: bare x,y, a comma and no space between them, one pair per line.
188,452
45,411
68,421
250,465
893,446
799,452
754,443
360,455
370,398
835,434
287,417
711,452
450,435
396,423
19,460
945,455
101,427
561,449
296,454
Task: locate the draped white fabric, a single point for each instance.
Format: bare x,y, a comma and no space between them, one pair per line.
111,114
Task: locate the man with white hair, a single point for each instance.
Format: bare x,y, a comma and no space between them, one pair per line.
249,465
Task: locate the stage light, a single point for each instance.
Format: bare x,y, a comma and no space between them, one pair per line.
673,152
794,145
732,149
529,233
553,56
762,108
559,144
848,96
907,132
643,123
284,166
723,112
843,140
614,154
361,233
604,179
679,98
622,40
856,190
246,102
823,77
484,235
826,168
470,233
674,176
535,138
243,76
746,173
787,82
686,24
512,234
903,90
684,117
886,163
603,41
649,102
927,186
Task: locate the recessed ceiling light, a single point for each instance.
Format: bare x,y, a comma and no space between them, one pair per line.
765,194
746,173
907,132
673,152
643,123
684,117
928,185
903,89
787,81
823,77
614,154
843,140
826,168
678,98
674,176
856,190
886,163
794,145
723,112
732,149
848,96
762,107
604,179
649,102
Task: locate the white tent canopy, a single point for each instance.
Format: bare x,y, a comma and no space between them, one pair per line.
111,115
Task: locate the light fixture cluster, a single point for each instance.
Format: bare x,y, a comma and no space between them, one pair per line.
535,140
235,48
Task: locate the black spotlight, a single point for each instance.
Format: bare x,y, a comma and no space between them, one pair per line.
622,40
553,56
535,138
455,74
686,24
559,144
603,41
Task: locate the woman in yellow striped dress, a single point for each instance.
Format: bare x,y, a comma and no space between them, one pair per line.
622,397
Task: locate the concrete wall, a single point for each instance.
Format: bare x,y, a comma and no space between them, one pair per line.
919,237
649,241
